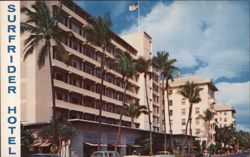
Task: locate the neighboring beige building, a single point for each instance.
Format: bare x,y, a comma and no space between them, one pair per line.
224,115
179,106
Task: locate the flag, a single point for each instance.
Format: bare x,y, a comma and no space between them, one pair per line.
133,7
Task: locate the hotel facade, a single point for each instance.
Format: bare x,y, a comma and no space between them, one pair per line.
77,88
179,107
77,85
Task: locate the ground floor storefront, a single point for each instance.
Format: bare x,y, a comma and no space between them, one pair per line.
132,140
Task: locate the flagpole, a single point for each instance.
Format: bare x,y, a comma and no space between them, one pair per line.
139,17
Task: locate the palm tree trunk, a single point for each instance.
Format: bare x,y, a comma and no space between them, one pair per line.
53,96
188,121
132,122
101,93
121,114
185,138
149,118
208,133
164,117
170,125
190,126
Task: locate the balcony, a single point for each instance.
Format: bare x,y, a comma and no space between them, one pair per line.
84,109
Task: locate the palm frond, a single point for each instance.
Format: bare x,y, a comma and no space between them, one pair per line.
43,54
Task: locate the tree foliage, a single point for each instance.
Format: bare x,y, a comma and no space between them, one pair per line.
64,130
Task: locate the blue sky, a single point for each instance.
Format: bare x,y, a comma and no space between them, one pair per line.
208,39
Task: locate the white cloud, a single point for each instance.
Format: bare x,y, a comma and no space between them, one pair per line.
214,32
233,93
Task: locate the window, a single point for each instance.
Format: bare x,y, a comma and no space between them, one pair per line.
109,78
62,19
225,113
88,69
225,119
59,96
76,45
76,82
183,101
197,131
109,64
110,108
170,112
170,102
119,96
58,56
59,76
75,100
88,53
75,63
76,28
98,58
109,93
197,110
119,82
183,122
183,111
98,73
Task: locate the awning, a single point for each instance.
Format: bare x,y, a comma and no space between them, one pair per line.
95,145
120,145
136,146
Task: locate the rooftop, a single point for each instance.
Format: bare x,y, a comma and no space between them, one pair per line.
222,107
195,79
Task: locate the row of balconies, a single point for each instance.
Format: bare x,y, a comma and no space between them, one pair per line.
71,114
80,54
91,73
89,88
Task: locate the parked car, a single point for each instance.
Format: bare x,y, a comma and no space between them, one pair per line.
105,154
163,154
44,155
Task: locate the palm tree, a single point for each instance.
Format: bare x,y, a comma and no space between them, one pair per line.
143,66
208,116
135,110
192,92
65,130
99,34
165,65
43,29
127,67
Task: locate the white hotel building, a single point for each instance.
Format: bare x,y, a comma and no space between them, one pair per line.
77,85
